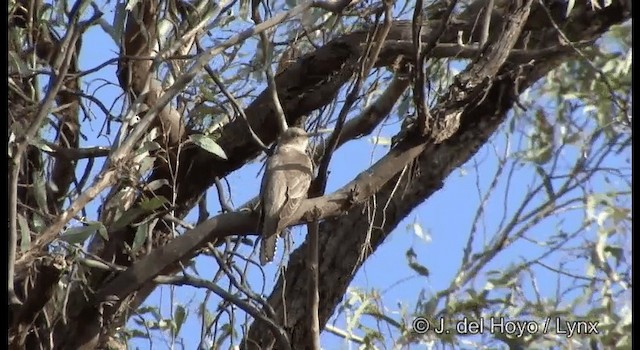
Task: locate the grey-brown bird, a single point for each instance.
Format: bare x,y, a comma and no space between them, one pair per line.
285,184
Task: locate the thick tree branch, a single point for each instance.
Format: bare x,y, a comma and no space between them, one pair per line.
340,237
355,192
298,100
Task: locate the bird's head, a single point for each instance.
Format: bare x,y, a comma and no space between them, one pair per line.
295,138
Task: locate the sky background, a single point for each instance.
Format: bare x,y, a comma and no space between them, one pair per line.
445,217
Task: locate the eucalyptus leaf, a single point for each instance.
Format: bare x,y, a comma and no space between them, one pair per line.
25,233
141,236
207,143
179,316
77,235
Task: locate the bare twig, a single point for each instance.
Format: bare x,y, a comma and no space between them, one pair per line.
319,184
77,153
240,286
486,23
224,204
343,334
373,47
13,228
424,117
236,105
60,67
178,221
203,213
313,296
266,63
590,63
278,332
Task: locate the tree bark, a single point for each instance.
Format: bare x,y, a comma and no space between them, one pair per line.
342,239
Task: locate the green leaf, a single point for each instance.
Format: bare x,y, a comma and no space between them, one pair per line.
207,143
152,204
164,324
77,234
38,223
25,233
40,190
156,184
414,265
179,316
128,217
148,146
429,308
102,231
151,310
141,237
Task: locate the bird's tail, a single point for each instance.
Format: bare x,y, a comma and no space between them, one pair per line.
267,249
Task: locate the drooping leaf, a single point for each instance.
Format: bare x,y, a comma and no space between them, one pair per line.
140,237
152,204
77,235
156,184
207,143
25,233
414,265
128,217
179,316
102,231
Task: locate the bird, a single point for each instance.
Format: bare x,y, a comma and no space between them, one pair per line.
284,186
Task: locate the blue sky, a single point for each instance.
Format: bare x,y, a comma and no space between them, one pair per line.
446,216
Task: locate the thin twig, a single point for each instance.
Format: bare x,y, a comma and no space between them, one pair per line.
590,63
61,67
343,334
240,286
77,153
224,204
278,332
486,23
271,83
203,213
313,295
236,105
13,229
424,117
319,184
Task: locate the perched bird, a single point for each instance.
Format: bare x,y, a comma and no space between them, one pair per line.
284,186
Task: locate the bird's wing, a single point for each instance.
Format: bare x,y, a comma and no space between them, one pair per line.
298,179
273,193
